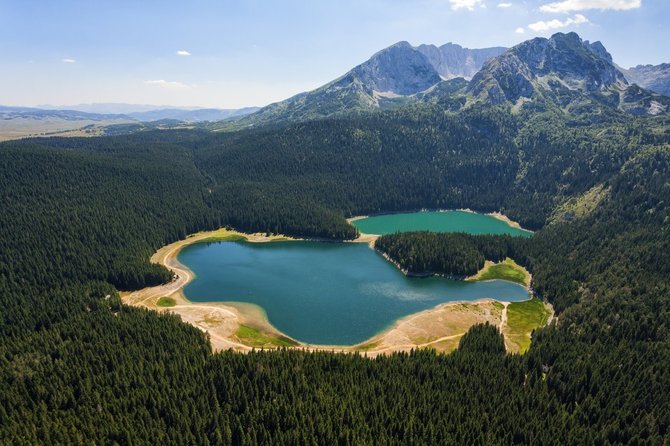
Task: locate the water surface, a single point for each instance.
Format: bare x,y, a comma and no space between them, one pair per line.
323,293
437,221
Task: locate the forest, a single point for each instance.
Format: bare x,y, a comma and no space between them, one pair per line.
82,216
450,254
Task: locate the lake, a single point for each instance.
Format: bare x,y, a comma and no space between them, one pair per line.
323,293
437,221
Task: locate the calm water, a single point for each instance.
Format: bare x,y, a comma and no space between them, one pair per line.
437,221
323,293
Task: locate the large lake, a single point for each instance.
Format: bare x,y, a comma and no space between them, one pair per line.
323,293
437,221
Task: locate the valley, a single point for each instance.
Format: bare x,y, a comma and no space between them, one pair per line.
208,279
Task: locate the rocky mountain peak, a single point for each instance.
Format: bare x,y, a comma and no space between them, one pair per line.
398,69
562,62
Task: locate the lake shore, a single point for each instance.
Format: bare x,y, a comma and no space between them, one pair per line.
220,320
497,215
506,219
228,324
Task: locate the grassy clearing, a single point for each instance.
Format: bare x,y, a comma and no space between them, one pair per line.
522,319
447,345
506,270
367,347
166,302
224,238
254,338
582,206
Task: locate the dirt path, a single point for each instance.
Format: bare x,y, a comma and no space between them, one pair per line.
219,320
182,276
503,317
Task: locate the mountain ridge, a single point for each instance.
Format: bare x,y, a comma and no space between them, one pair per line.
563,70
576,75
390,78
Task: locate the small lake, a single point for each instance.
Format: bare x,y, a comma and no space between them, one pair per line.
323,293
437,221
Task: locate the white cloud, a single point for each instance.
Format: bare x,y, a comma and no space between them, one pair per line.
504,5
520,30
466,4
183,53
582,5
542,25
172,85
68,60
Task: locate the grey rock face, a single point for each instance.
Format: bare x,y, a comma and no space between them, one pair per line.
562,63
652,77
452,60
599,50
398,69
395,76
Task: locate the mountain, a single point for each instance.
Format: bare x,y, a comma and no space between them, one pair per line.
392,77
652,77
565,71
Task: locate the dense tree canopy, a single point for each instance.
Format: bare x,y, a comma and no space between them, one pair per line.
80,218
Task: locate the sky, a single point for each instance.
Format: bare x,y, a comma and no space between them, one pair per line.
231,54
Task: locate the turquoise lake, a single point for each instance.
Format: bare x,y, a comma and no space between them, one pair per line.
437,221
323,293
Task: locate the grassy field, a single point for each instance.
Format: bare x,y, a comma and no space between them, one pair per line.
506,270
522,319
166,302
253,337
368,346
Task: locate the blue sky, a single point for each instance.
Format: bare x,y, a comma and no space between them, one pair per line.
253,52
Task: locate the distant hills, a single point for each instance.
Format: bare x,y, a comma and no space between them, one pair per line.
197,115
20,122
147,113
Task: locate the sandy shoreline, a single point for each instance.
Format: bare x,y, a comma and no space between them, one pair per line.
440,327
507,220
